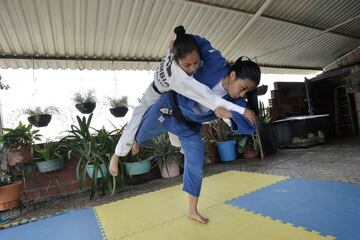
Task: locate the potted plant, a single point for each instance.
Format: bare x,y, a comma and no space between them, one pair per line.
136,165
119,106
94,153
224,140
166,156
18,143
9,191
3,86
85,103
248,146
211,153
40,117
48,157
105,143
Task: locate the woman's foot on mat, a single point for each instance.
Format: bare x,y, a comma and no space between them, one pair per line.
197,217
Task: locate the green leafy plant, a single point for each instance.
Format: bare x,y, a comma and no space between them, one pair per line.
133,158
164,153
264,114
3,86
244,140
48,151
5,178
220,131
39,111
118,102
21,135
88,97
93,150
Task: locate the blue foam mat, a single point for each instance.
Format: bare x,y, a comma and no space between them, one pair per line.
330,208
76,225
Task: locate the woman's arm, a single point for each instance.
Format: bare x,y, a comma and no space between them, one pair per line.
189,87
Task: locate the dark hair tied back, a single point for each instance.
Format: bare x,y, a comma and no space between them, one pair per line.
179,31
184,44
245,68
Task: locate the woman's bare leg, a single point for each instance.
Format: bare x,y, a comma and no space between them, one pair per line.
193,212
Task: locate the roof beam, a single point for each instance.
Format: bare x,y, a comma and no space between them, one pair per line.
77,58
217,6
251,22
122,59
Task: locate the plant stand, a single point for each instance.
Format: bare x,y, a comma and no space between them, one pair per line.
10,195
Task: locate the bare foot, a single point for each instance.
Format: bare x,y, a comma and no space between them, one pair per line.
198,217
135,148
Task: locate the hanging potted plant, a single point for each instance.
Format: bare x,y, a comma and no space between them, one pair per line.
167,157
9,191
48,157
18,143
119,106
85,103
3,86
40,117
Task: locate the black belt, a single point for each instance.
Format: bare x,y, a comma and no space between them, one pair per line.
176,112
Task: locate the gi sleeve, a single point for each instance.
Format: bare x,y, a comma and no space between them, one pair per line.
240,123
187,86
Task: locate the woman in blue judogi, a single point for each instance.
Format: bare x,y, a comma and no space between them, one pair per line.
183,117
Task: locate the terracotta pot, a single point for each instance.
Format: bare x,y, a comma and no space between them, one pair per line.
10,195
249,152
22,155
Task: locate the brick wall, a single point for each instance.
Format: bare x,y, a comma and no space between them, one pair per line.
37,183
288,98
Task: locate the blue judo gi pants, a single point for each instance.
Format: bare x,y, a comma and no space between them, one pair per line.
192,145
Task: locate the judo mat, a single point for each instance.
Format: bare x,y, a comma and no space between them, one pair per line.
240,205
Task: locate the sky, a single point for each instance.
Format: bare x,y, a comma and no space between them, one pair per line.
32,88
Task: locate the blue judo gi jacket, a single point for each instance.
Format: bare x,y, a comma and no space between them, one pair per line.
211,72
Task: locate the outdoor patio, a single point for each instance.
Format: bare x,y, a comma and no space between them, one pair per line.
336,162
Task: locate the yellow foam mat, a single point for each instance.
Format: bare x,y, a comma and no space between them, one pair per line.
228,223
124,218
231,184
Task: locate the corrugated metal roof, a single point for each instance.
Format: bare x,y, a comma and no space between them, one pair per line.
320,14
134,34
